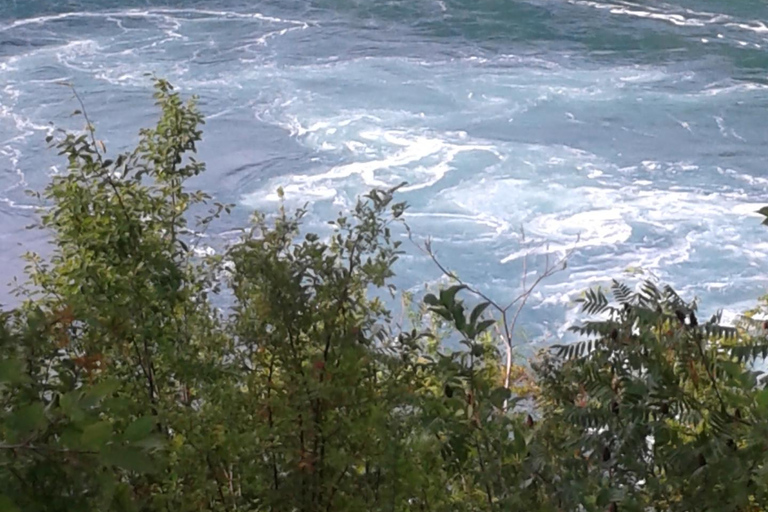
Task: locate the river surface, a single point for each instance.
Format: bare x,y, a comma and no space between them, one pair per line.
635,133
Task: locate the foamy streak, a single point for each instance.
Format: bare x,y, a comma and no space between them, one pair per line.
756,26
385,171
586,229
609,227
169,21
700,19
644,11
497,225
17,206
157,13
601,227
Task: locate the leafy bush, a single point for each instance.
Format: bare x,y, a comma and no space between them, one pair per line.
657,409
124,387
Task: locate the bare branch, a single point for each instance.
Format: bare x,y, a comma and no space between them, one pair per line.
508,325
88,125
45,449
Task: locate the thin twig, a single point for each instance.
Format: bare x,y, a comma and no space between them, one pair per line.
49,449
550,268
713,380
92,131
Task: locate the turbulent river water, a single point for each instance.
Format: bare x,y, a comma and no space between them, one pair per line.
634,132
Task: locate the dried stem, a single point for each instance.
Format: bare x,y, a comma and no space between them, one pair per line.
509,312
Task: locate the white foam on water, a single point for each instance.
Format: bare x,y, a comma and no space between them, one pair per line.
73,54
755,26
149,13
24,125
17,206
604,227
748,209
748,178
686,18
495,226
14,156
696,19
104,55
279,33
607,222
419,159
741,88
675,19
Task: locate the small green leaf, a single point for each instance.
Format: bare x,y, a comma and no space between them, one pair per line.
28,419
6,505
71,437
12,370
444,313
139,429
104,388
477,311
448,296
94,395
70,405
128,458
762,401
458,318
430,300
96,436
485,324
151,442
603,497
518,443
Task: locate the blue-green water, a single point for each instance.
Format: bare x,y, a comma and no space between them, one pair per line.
640,127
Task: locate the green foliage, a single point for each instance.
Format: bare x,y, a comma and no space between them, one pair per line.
656,410
124,388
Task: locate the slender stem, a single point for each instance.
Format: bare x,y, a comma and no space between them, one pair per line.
271,421
50,449
508,327
712,379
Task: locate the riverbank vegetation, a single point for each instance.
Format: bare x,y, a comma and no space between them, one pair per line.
125,384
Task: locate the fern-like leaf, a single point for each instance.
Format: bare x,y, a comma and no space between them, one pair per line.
594,302
748,353
622,293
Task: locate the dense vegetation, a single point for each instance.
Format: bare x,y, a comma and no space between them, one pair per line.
125,385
